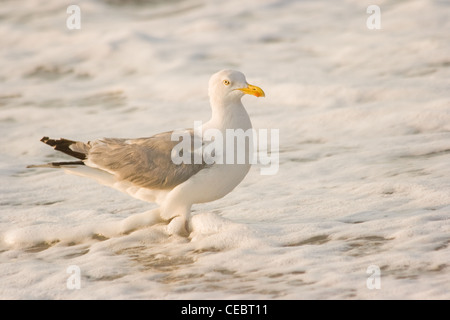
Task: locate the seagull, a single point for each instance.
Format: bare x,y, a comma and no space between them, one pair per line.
144,167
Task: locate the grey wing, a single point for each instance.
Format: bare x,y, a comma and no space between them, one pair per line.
145,162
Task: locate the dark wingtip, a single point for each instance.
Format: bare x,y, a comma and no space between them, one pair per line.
48,141
69,164
63,145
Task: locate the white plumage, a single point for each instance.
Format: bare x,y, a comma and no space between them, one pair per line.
143,167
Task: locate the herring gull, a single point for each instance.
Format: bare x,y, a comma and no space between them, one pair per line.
144,169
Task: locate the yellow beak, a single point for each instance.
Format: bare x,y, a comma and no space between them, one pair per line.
253,90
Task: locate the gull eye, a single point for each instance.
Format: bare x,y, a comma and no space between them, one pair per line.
226,82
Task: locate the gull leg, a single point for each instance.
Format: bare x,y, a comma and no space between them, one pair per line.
178,226
178,220
140,220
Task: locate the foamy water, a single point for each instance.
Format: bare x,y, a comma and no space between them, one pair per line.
364,176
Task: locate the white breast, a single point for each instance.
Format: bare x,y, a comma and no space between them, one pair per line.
220,179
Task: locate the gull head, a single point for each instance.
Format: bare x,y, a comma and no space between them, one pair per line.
229,86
